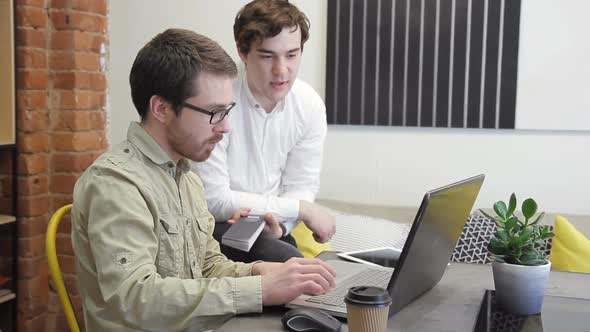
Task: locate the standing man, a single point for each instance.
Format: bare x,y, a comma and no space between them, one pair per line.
271,160
145,254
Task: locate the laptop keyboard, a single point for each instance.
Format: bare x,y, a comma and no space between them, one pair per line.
368,277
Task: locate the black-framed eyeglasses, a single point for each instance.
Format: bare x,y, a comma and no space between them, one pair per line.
217,114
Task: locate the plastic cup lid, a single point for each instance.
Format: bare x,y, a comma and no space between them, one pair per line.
368,296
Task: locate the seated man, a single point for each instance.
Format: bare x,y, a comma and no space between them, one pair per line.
145,255
271,160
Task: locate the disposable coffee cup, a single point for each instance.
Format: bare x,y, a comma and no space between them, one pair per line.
367,309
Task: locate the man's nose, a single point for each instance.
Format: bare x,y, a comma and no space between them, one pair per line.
223,126
279,67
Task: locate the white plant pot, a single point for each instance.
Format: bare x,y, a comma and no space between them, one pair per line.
520,288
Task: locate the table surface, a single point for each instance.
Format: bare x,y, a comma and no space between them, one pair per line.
452,305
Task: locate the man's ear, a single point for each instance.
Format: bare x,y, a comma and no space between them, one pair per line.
159,108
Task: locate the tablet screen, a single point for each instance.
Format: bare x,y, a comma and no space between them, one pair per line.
387,257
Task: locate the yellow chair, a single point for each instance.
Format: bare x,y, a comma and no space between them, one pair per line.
54,270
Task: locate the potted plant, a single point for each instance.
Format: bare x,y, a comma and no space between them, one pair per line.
520,268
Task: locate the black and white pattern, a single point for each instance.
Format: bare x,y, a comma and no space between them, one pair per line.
472,245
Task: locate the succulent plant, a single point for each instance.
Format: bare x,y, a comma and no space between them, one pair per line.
518,241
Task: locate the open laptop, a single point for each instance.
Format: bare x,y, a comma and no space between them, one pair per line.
432,238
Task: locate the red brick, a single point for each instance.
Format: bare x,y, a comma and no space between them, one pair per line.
33,226
65,225
63,245
6,205
33,121
63,183
92,6
60,60
59,200
78,100
71,162
33,143
31,267
77,40
31,247
31,58
29,164
79,80
33,185
32,206
78,21
31,37
82,141
31,100
35,3
79,120
31,79
31,16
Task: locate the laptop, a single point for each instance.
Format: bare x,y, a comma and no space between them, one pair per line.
423,260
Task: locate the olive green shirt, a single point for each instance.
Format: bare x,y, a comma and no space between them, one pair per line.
145,255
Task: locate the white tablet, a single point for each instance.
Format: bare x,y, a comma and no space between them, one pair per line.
385,256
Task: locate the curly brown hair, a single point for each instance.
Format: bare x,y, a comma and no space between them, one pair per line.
261,19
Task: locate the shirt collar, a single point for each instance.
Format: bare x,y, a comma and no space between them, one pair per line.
139,137
254,104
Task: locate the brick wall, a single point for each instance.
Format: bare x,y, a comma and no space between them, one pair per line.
61,88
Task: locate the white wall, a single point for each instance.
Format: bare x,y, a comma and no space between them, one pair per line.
553,67
386,166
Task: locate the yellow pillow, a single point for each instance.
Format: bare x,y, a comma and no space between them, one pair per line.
306,243
571,249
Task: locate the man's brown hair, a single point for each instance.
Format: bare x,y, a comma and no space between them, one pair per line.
261,19
168,64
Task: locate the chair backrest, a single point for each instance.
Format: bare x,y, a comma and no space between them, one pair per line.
54,269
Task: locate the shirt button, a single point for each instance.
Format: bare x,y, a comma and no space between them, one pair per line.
123,261
170,164
257,106
194,263
126,150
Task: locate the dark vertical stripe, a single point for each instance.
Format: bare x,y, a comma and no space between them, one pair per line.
491,70
443,63
399,62
370,63
413,64
331,52
428,62
343,61
475,58
385,65
459,63
356,106
509,63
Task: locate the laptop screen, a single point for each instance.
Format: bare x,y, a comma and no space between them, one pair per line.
431,241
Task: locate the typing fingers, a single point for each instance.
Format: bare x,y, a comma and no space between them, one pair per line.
317,261
318,271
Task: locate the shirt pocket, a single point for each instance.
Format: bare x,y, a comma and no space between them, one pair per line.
203,221
169,248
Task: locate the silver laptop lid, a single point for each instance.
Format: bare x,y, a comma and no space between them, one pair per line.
432,238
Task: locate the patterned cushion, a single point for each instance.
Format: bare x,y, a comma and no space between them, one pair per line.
472,245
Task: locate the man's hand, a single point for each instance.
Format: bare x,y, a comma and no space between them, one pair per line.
318,220
283,282
241,212
272,229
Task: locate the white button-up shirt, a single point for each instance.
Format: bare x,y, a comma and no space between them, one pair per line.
268,161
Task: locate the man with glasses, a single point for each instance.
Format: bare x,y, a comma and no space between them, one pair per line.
146,258
271,160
